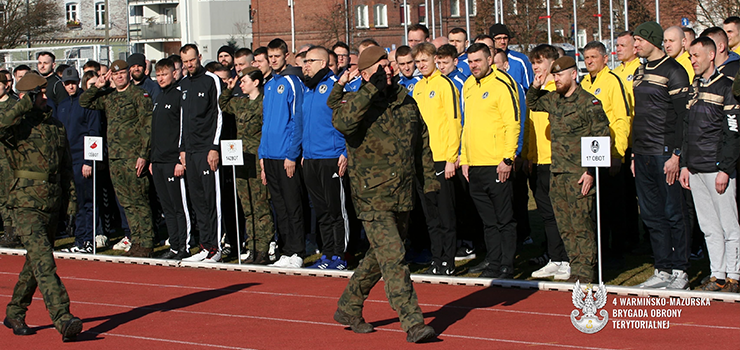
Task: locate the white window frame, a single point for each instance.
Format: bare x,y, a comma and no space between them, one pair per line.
361,16
455,8
380,15
472,7
558,4
422,13
407,16
72,11
101,16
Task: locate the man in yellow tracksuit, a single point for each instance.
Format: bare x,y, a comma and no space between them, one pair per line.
438,101
489,143
609,89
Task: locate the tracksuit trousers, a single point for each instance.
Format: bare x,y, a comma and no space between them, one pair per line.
205,188
287,200
328,195
173,198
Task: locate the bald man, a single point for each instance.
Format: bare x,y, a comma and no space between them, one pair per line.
439,41
674,42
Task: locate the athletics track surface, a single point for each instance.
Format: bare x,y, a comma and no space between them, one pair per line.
141,307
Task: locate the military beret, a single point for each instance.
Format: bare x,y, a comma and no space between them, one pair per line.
30,82
562,64
246,71
370,56
118,65
136,59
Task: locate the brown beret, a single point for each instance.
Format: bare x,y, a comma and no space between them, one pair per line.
30,82
3,78
370,56
118,65
562,64
246,71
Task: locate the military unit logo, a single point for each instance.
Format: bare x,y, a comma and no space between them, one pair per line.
598,91
589,301
485,95
595,146
323,88
431,94
280,89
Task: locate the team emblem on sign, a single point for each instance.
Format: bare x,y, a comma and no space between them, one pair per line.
323,88
595,146
431,94
598,91
280,89
589,303
485,95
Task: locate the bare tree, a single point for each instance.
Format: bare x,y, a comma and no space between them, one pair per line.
331,24
17,22
243,29
712,13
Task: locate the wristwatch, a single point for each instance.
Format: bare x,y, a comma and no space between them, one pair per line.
677,152
508,161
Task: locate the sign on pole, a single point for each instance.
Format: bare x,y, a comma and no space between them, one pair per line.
685,22
231,154
94,152
596,152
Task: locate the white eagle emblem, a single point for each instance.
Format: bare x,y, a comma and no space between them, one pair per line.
589,303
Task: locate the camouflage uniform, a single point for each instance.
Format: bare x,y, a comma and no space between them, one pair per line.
387,146
129,114
571,118
6,179
38,153
253,194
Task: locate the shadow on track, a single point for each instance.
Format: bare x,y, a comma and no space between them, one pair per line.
115,320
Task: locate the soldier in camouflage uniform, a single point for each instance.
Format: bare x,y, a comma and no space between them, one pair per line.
253,192
574,113
129,112
9,238
37,151
387,145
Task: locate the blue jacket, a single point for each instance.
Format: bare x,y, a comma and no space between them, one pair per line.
320,139
458,79
282,118
408,83
353,85
463,66
79,122
520,68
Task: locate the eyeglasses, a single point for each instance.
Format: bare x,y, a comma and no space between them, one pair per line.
501,38
343,55
312,60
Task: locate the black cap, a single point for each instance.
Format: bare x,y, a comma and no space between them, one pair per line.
227,49
136,59
497,29
70,74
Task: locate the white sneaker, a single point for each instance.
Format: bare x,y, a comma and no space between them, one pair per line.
680,280
549,270
124,244
563,273
213,258
660,280
167,243
101,241
272,251
295,261
284,261
198,257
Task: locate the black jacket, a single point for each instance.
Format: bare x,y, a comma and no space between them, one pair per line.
166,125
201,117
711,139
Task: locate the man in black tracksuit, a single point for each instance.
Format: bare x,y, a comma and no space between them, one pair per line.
167,171
199,142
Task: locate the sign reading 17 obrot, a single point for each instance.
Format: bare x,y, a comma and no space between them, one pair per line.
596,151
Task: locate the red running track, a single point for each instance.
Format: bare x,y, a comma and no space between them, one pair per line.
151,307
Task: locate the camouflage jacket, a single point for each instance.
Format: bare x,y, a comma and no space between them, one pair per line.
129,119
4,106
387,146
248,118
36,142
571,118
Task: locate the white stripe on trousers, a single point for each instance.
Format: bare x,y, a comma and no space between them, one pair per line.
184,196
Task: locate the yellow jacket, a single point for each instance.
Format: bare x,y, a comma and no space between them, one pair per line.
737,49
626,72
685,60
537,134
492,126
608,88
439,103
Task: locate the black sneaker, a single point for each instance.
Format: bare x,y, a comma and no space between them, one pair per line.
169,254
448,269
480,267
464,253
434,269
181,254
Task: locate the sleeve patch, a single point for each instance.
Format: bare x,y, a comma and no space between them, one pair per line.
596,102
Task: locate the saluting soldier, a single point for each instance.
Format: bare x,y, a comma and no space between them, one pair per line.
129,112
9,238
574,113
38,153
387,145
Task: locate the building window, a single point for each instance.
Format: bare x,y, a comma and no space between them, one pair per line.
472,7
405,15
558,4
582,38
73,14
362,16
380,14
2,14
455,8
423,14
100,15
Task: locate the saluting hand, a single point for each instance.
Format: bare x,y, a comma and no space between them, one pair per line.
231,83
103,79
539,80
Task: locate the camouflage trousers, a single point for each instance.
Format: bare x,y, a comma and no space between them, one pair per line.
385,258
133,194
573,215
259,227
6,181
35,228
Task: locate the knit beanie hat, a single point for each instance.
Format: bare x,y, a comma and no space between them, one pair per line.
652,32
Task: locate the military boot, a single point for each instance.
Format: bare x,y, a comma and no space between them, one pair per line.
138,251
19,327
357,323
420,333
10,239
71,329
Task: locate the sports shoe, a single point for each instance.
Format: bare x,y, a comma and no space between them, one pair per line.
680,280
272,251
337,263
295,261
714,285
356,323
698,255
563,273
225,249
731,286
660,280
86,248
464,253
101,241
479,268
198,257
247,256
548,270
214,256
168,254
541,260
420,333
284,261
321,264
167,243
447,268
528,240
433,269
124,244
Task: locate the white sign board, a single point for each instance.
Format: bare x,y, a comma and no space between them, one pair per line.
596,151
231,152
94,148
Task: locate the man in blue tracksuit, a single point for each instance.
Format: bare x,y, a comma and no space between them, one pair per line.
324,160
519,66
79,122
280,149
